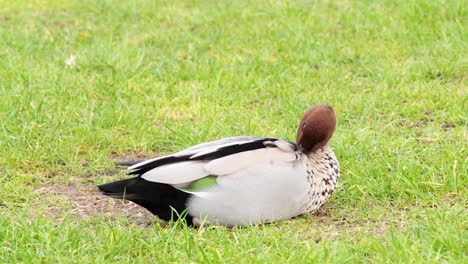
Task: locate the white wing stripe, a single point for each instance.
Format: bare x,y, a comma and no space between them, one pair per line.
177,173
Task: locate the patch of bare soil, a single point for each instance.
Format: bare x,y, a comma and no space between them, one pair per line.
131,156
87,201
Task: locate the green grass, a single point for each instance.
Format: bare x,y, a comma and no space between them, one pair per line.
154,77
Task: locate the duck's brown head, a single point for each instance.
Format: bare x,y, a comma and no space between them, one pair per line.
316,128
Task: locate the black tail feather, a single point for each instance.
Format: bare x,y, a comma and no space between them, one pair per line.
160,199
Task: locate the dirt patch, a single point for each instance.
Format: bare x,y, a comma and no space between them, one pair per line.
87,201
130,157
447,126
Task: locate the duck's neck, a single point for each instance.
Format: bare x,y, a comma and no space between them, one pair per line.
323,171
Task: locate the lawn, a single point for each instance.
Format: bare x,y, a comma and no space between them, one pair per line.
86,83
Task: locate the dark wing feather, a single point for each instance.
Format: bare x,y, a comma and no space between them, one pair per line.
233,149
222,151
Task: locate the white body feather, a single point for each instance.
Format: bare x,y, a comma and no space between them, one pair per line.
260,193
260,185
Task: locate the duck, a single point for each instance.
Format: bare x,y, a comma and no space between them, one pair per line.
239,181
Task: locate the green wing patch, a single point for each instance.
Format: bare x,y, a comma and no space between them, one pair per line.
202,184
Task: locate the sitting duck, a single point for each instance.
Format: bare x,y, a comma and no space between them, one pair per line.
239,181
